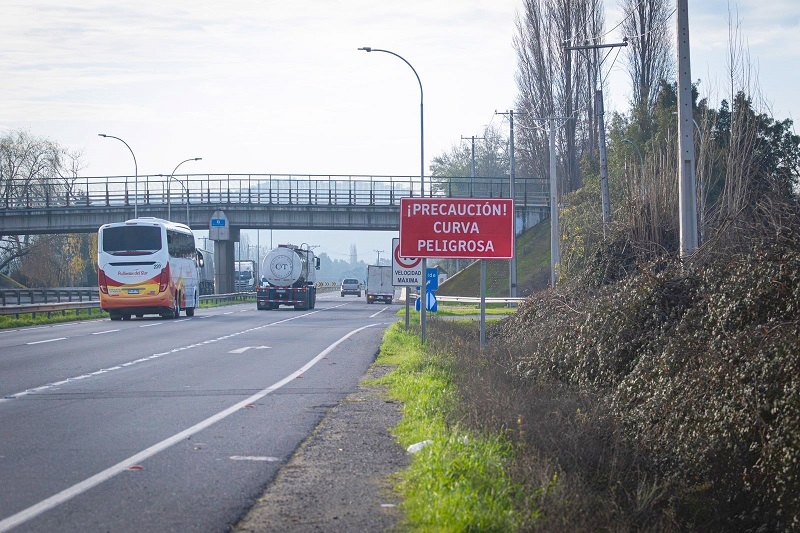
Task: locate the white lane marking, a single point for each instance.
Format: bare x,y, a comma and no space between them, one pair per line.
379,312
47,340
67,494
153,324
104,332
154,356
245,348
254,458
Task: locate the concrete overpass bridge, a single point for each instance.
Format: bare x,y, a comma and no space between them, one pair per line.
249,201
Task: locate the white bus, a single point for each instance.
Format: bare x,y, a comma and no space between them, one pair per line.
147,266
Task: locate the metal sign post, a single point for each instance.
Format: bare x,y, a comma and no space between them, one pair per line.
456,228
406,272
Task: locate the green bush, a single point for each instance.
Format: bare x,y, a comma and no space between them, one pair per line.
700,369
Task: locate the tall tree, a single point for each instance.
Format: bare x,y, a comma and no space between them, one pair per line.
650,52
555,82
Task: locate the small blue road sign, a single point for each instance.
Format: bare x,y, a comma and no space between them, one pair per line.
432,279
431,304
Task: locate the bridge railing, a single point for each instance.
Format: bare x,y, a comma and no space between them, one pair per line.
261,189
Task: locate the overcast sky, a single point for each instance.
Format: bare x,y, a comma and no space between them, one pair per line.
280,87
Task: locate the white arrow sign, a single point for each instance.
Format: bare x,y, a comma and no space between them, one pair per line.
245,348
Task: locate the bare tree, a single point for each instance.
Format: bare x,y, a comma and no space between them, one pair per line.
553,82
31,169
650,51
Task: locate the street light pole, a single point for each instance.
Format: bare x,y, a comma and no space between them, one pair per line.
169,196
421,116
136,170
421,177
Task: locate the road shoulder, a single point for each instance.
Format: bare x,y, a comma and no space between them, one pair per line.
339,479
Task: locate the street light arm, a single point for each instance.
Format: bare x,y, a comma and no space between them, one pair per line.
421,118
184,161
185,188
136,175
369,49
135,166
637,150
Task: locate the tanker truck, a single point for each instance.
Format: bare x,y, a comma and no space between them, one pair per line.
288,277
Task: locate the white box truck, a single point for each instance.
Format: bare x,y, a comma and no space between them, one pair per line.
379,284
245,275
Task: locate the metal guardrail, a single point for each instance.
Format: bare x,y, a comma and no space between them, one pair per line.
472,299
47,308
52,295
78,299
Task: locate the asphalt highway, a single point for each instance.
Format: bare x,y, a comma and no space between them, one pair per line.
169,424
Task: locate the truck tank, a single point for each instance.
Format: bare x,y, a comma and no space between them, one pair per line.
287,266
288,276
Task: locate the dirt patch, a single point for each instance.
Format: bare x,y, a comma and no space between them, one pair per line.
340,477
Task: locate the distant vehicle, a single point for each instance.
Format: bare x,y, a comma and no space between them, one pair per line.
245,276
350,286
205,260
147,266
379,284
289,276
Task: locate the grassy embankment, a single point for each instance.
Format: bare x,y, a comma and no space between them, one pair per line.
458,481
667,400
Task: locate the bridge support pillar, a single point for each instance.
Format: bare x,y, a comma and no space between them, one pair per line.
224,258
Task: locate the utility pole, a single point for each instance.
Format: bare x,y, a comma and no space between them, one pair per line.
472,138
598,104
512,265
555,251
687,199
379,256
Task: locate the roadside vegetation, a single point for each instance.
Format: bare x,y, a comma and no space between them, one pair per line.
458,480
652,389
665,397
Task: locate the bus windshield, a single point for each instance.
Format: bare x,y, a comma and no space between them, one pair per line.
122,240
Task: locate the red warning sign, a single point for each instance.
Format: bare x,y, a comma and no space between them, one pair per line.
458,228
